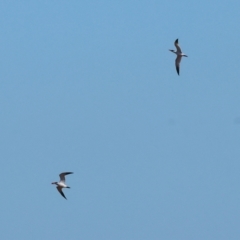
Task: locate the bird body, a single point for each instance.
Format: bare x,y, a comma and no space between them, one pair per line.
61,184
179,56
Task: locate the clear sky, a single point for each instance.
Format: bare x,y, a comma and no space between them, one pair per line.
91,87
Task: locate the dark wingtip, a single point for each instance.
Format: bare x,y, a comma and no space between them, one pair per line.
177,71
176,40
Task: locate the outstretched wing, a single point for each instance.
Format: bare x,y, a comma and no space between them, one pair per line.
60,191
177,46
177,63
62,176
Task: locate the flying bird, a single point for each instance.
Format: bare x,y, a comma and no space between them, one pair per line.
179,55
61,184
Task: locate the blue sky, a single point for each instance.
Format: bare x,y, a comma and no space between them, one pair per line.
90,87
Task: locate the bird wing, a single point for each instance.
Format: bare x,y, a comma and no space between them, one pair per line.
62,176
60,191
177,63
177,46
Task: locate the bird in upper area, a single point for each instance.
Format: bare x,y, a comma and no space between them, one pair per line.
179,55
61,184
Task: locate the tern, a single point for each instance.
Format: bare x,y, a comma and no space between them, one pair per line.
179,55
61,184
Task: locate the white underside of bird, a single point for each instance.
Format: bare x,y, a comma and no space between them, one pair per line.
179,56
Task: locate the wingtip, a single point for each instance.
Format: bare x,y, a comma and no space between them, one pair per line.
64,196
66,173
178,71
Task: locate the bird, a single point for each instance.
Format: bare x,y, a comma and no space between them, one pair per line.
61,184
179,55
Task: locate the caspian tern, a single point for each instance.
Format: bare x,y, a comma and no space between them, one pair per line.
179,55
61,184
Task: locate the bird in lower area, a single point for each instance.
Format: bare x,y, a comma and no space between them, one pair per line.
179,55
61,184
